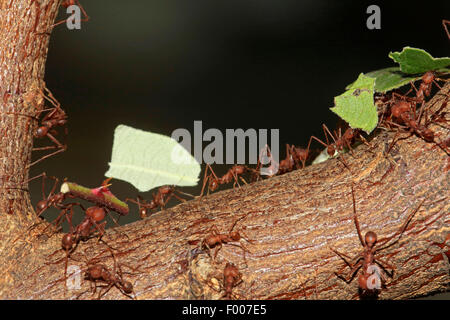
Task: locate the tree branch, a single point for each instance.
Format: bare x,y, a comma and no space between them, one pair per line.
294,222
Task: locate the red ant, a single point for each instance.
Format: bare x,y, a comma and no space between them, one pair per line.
287,164
98,272
53,199
405,112
425,86
214,181
67,3
70,240
341,141
270,171
93,215
231,278
158,200
371,275
301,155
55,117
216,239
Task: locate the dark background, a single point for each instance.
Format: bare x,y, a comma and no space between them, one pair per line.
160,65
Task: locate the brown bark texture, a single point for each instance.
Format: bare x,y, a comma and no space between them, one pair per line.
292,221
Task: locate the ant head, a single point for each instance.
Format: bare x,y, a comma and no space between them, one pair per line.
239,170
370,239
95,271
41,132
230,270
331,150
213,185
143,212
301,153
428,135
96,213
349,133
41,205
399,108
127,287
235,236
166,189
67,242
428,77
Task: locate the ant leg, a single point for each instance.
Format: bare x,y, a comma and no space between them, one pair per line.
205,180
444,23
320,141
355,217
385,265
244,249
352,262
325,129
178,197
240,218
115,222
216,251
307,152
400,231
51,98
86,17
47,156
351,274
235,180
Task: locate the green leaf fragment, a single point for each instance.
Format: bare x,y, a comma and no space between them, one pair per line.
149,160
356,105
414,60
390,78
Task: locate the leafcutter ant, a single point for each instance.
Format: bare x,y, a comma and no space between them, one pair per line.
371,278
231,278
53,118
159,200
213,181
340,140
215,239
96,273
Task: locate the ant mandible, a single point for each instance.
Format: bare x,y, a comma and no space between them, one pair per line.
216,239
371,276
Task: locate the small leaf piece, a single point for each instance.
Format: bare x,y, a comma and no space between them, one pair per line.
356,105
149,160
414,60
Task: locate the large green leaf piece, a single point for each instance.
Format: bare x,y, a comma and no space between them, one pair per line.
148,160
413,61
356,105
390,78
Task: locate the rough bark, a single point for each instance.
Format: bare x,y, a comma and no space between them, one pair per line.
23,52
293,221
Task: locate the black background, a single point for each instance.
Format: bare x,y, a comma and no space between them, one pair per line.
160,65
